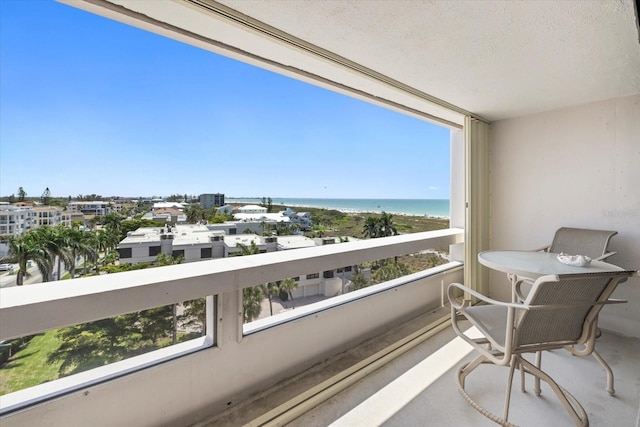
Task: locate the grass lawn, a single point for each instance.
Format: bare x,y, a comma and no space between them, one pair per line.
29,366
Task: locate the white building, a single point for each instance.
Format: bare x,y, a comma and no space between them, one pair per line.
303,219
252,209
15,220
200,242
51,215
97,208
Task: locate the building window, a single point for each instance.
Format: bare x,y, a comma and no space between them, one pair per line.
154,250
206,253
178,253
328,274
313,276
125,253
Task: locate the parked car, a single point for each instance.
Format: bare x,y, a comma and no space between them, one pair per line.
5,267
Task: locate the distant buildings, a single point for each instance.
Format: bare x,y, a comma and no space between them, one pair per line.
198,242
207,201
90,208
52,216
15,220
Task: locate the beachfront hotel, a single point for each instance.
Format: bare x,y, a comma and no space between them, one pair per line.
542,101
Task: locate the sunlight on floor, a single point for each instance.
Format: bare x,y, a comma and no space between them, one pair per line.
391,399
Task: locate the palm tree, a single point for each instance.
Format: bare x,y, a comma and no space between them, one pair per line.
194,214
112,221
25,248
252,296
81,243
370,227
386,226
53,240
271,289
288,285
251,302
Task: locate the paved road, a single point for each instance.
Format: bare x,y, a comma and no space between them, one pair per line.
8,280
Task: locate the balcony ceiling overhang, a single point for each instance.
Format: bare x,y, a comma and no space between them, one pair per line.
495,59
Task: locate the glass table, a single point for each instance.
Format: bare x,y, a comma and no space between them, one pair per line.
522,265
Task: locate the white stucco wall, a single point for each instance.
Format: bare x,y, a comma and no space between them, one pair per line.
573,167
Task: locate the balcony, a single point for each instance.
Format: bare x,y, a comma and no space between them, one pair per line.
203,377
384,354
562,151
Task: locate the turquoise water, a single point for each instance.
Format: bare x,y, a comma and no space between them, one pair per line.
419,207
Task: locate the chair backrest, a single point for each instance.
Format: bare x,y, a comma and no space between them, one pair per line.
554,319
581,241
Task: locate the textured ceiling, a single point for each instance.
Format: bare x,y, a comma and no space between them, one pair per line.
495,59
498,59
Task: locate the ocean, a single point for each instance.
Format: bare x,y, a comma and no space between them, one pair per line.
417,207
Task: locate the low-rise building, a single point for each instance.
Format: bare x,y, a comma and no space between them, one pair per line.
252,209
52,216
202,242
14,221
97,208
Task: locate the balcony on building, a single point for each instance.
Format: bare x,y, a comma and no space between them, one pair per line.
543,104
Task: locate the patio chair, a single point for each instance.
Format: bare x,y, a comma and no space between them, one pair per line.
594,244
581,241
559,312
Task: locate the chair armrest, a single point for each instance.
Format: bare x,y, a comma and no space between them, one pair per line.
605,256
481,297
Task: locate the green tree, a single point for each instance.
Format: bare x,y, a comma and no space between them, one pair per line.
288,285
271,290
21,194
252,303
252,296
112,222
24,248
81,243
385,225
54,241
194,214
46,196
370,227
359,281
391,271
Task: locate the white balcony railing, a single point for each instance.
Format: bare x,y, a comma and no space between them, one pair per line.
186,382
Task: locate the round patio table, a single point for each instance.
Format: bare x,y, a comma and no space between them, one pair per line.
520,265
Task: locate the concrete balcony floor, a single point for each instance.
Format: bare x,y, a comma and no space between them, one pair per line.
418,387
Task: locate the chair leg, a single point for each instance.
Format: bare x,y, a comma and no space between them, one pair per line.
570,403
465,370
507,398
536,387
608,370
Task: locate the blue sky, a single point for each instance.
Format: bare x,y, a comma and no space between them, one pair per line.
89,105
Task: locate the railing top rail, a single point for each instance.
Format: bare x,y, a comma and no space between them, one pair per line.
39,307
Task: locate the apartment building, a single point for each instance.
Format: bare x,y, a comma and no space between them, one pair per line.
15,220
196,242
209,200
51,215
97,208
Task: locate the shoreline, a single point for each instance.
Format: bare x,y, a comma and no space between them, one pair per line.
300,207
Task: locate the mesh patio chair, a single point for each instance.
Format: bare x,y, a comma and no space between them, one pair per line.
582,241
595,245
559,312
